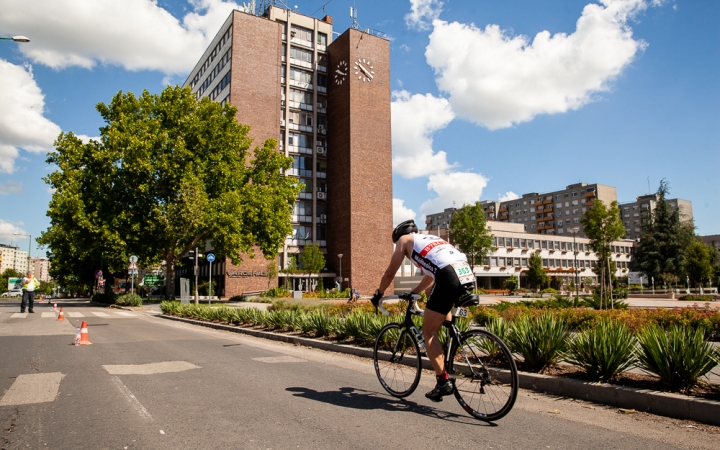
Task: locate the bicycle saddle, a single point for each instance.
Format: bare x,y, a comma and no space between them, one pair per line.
469,300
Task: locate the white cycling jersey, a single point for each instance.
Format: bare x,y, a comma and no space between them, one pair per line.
432,253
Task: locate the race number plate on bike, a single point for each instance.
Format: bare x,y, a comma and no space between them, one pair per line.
460,312
464,273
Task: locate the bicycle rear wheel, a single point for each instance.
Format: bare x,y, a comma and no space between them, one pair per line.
485,375
397,360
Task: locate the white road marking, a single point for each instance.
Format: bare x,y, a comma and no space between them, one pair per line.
101,314
134,402
126,314
150,369
33,388
75,314
19,316
279,359
45,315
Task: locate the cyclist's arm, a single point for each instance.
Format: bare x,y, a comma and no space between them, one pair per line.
395,262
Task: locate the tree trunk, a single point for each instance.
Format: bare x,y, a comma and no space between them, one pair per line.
170,277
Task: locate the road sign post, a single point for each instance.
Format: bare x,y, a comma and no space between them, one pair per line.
210,258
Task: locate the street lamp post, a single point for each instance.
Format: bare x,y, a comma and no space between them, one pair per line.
15,38
574,232
29,244
341,279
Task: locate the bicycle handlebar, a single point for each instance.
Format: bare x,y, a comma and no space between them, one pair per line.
412,298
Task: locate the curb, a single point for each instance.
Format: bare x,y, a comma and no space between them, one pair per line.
660,403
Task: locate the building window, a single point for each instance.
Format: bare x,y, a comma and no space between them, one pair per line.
321,38
302,76
302,232
301,33
301,54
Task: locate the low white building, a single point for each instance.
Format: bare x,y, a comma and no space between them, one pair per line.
512,248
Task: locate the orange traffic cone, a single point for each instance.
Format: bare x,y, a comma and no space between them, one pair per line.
61,316
84,338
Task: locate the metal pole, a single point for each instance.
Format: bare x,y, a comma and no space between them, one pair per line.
341,278
577,280
197,301
30,242
210,283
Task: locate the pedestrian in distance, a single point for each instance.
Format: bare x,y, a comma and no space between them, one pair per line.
353,296
29,284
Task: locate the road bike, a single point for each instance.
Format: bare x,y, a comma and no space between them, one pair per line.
480,365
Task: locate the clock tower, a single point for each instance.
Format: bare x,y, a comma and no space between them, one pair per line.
359,159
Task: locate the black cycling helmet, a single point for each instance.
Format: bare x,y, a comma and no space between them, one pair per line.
404,228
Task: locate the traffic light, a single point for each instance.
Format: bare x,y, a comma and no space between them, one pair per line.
191,254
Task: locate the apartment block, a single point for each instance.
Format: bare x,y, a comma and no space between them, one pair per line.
327,103
41,268
635,214
440,222
13,258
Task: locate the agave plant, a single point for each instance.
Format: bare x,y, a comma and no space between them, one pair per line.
500,328
604,350
540,340
679,356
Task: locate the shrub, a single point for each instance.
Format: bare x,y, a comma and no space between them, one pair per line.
276,292
696,298
540,340
108,298
679,356
129,300
604,350
499,327
549,291
594,303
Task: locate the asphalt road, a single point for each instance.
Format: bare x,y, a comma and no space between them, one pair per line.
151,383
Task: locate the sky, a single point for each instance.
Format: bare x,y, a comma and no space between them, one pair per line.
491,99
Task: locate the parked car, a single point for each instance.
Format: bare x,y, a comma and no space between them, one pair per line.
14,293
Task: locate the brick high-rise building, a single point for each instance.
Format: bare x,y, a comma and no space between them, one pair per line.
328,105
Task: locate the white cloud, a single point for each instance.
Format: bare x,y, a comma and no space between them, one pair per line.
401,212
459,187
497,79
414,119
405,47
7,231
509,195
11,187
422,13
133,34
85,138
22,124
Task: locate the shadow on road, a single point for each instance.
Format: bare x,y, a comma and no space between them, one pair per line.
361,399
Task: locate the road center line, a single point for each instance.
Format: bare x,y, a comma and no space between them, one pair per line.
279,359
134,402
33,388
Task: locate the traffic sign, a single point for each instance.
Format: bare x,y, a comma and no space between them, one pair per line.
132,266
133,259
98,274
210,257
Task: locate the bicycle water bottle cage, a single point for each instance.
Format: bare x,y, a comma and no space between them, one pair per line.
469,300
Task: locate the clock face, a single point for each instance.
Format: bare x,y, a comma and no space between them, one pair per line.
364,70
341,72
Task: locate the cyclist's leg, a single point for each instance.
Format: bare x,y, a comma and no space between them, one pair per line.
432,322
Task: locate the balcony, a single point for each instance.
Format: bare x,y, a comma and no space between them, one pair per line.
547,202
503,208
300,63
321,130
301,150
321,68
589,194
541,226
322,89
589,203
302,42
301,84
305,128
303,106
322,175
321,109
321,219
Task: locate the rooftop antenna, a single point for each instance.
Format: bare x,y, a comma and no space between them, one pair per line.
353,16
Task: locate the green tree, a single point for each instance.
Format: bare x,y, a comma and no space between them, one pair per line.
698,262
291,268
272,271
603,226
663,240
536,274
168,172
470,234
312,259
512,284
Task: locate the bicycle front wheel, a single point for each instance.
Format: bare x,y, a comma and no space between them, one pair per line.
397,360
485,375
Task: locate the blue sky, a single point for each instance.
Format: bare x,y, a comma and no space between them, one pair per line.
491,98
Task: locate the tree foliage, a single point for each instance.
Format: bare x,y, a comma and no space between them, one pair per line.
168,172
470,233
312,259
536,274
663,240
602,226
698,262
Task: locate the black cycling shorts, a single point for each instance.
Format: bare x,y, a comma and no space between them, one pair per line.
446,291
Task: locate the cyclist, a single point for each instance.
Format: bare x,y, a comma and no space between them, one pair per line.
446,270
